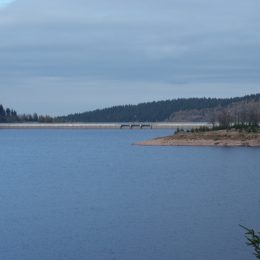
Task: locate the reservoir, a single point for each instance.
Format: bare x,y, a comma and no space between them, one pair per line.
69,194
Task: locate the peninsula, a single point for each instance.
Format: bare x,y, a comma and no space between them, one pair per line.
227,138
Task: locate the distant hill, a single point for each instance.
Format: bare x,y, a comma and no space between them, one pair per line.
183,109
238,109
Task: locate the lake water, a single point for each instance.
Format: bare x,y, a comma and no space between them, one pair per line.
91,194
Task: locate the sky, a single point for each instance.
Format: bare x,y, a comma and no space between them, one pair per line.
63,56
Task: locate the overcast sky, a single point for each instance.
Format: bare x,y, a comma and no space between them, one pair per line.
62,56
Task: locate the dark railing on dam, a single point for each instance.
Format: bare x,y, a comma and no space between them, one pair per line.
135,125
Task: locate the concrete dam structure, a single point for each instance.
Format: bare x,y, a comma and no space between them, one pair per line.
159,125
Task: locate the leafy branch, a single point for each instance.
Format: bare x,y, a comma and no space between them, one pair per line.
253,239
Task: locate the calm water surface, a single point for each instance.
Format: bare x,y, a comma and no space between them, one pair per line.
90,194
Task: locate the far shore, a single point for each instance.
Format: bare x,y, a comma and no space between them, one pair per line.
222,138
161,125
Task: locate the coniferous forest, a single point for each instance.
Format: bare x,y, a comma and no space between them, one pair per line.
169,110
181,110
8,115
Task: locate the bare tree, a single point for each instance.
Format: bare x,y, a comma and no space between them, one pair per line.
224,118
213,118
253,114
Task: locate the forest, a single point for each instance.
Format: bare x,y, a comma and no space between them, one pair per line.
8,115
175,110
191,109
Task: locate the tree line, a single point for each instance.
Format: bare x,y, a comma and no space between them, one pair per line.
155,111
8,115
222,110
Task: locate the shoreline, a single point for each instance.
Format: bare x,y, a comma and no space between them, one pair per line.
220,138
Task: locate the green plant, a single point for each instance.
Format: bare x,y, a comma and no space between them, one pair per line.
253,239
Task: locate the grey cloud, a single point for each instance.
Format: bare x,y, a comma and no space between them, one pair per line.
171,42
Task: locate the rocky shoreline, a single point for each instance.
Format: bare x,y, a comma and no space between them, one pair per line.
225,138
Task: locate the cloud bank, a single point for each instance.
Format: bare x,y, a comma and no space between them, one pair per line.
63,56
